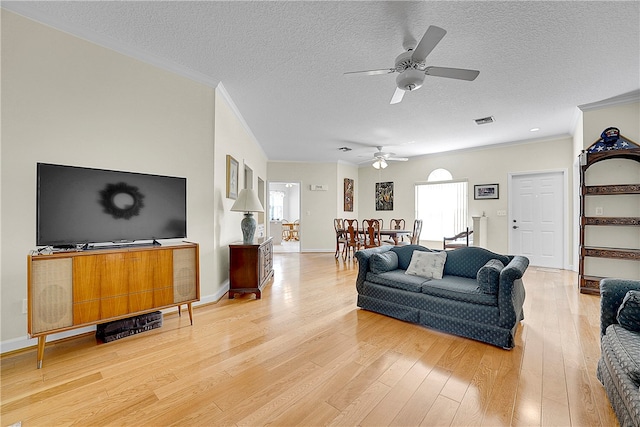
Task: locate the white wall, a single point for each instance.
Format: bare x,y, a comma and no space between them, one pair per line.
479,166
232,137
68,101
317,208
575,185
625,117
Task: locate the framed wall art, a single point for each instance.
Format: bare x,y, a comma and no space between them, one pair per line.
384,196
348,195
232,178
485,191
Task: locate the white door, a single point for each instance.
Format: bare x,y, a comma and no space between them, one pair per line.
536,221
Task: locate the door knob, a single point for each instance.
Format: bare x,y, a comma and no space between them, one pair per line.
515,226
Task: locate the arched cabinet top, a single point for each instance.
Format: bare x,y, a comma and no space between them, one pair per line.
622,148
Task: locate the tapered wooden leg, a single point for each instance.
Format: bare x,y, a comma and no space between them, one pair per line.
179,310
41,341
190,308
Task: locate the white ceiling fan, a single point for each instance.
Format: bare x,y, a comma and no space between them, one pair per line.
412,68
380,159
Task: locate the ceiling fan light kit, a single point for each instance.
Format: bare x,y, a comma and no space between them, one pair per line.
410,79
379,164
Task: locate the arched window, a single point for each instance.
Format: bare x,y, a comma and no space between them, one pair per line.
442,205
440,175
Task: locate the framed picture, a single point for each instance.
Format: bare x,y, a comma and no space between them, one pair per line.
348,195
384,196
485,191
232,178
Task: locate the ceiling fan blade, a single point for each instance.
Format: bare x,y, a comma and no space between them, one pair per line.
452,73
372,72
397,96
431,38
398,159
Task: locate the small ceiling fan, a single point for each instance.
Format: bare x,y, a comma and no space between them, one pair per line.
412,68
380,159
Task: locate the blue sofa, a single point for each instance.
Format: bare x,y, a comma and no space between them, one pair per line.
466,301
619,365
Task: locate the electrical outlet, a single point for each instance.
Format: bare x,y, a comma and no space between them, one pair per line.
501,213
24,306
599,211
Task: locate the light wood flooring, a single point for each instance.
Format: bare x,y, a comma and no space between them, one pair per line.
306,355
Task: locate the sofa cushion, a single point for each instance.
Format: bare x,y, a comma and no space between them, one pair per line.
625,346
405,253
629,311
427,264
397,279
489,276
467,261
458,288
386,261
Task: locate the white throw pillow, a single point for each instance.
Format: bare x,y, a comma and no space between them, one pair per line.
427,264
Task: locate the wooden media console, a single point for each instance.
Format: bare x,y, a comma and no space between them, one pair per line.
70,290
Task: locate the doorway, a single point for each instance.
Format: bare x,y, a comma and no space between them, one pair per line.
283,214
538,207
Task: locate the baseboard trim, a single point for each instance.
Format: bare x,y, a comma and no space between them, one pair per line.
24,342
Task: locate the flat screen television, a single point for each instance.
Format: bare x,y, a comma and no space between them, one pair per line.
77,205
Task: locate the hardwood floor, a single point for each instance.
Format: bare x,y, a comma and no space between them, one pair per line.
306,355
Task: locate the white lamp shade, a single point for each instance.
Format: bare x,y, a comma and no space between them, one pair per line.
380,163
247,201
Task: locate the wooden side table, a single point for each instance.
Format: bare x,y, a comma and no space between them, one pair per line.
250,267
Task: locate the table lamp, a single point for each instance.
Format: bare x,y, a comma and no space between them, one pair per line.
248,203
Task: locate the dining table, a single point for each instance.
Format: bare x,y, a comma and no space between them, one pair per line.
289,234
395,234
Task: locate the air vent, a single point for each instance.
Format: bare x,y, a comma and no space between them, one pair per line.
344,149
485,120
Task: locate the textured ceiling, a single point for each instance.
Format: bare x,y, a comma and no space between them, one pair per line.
282,64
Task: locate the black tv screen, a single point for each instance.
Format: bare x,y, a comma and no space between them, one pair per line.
77,205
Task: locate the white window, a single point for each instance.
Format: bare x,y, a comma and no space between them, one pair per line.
276,205
442,205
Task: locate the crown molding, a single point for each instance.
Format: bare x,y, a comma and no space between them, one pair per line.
625,98
222,91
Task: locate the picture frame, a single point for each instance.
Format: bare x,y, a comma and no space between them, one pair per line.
384,196
486,191
232,177
348,195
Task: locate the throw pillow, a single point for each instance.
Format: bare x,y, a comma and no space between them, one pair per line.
629,311
405,253
381,263
489,276
427,264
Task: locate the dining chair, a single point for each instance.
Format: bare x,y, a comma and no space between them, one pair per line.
372,233
354,240
395,224
341,235
415,234
414,238
460,240
295,230
286,234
